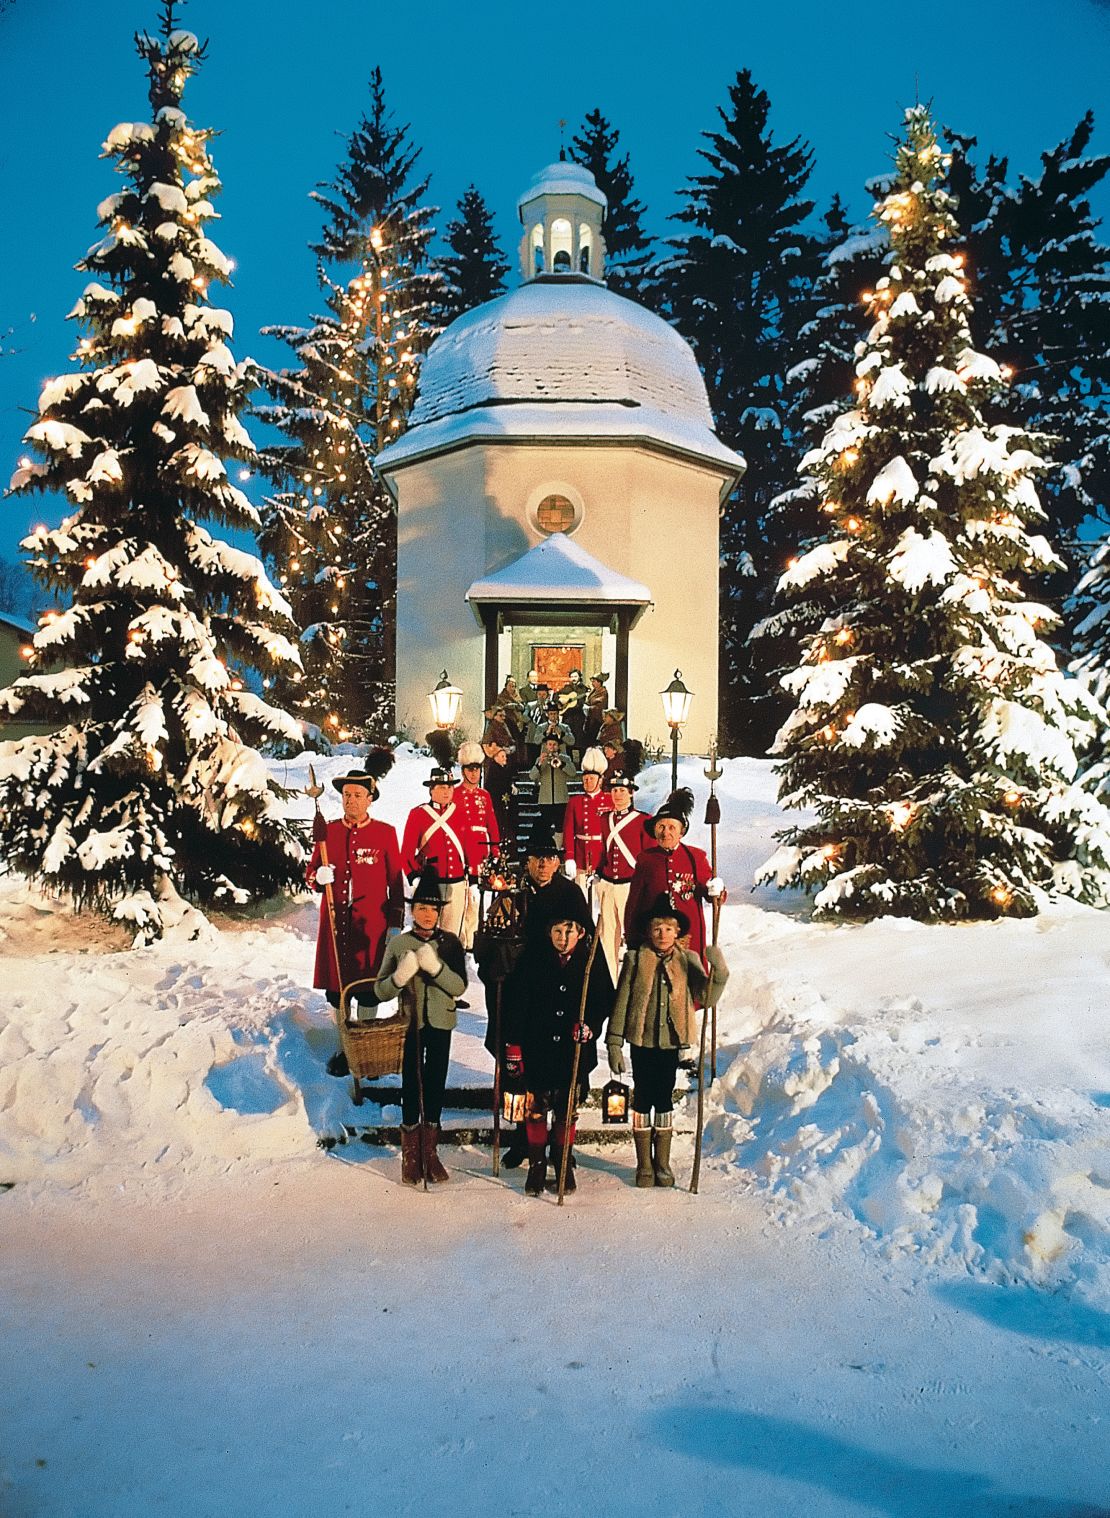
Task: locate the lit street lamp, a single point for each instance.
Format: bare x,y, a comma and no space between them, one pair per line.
676,708
445,701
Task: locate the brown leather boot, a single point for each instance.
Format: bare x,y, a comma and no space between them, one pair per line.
433,1165
641,1137
661,1150
412,1168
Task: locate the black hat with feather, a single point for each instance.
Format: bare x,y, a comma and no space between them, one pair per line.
375,767
679,804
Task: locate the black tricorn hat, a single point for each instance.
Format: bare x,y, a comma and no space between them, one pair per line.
622,777
377,764
663,906
679,804
541,843
428,890
443,775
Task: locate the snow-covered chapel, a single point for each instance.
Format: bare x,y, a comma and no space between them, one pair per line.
558,488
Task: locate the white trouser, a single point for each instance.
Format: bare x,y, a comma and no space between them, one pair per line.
454,908
611,901
470,918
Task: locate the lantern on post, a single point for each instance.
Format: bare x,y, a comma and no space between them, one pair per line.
615,1099
676,708
445,700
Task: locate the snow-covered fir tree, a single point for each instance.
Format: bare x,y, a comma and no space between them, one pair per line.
731,285
324,524
144,786
1091,606
933,735
627,245
375,244
474,267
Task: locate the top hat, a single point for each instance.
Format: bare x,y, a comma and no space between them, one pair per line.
541,841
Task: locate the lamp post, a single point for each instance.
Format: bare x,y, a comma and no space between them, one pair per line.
676,708
445,701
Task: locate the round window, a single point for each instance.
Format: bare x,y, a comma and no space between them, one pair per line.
555,514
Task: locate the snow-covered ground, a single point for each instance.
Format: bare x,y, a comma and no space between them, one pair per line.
892,1294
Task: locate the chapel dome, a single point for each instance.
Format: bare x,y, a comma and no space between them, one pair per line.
564,342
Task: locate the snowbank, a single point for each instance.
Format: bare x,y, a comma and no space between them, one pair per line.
943,1091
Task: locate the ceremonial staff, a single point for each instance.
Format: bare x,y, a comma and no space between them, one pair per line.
712,818
320,839
572,1094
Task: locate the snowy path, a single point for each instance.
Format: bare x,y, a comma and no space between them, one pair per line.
324,1342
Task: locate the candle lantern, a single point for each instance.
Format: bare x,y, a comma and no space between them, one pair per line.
616,1098
445,701
676,708
513,1104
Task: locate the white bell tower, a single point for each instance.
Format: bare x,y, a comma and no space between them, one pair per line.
561,212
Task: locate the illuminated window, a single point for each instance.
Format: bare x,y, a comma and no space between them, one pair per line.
584,249
555,514
537,249
560,245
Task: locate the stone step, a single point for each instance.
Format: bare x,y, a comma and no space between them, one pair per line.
480,1098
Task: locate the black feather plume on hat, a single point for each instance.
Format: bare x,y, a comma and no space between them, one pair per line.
679,804
379,762
632,757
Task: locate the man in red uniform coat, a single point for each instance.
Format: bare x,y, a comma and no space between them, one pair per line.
436,834
364,872
624,838
673,868
479,830
583,820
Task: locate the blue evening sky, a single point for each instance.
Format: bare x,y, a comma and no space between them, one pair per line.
484,86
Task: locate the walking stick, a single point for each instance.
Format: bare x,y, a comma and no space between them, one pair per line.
419,1041
573,1092
320,839
712,817
497,1077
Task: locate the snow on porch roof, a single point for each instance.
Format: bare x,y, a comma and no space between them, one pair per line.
558,569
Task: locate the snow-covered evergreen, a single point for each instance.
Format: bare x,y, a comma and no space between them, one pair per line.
627,245
731,284
144,784
933,734
376,222
474,267
324,525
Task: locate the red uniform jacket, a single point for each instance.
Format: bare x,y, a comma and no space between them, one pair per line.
683,875
368,895
438,836
584,828
480,834
624,842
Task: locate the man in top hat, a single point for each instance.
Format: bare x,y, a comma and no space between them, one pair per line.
671,867
551,772
584,820
545,896
435,834
364,872
597,702
425,969
624,838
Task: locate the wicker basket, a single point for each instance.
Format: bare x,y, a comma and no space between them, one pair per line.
372,1048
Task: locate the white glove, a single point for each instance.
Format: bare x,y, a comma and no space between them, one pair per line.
570,869
428,960
615,1052
407,966
325,875
715,887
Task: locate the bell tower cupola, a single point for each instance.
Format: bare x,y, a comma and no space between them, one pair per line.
561,212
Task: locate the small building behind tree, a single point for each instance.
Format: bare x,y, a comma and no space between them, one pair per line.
559,487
